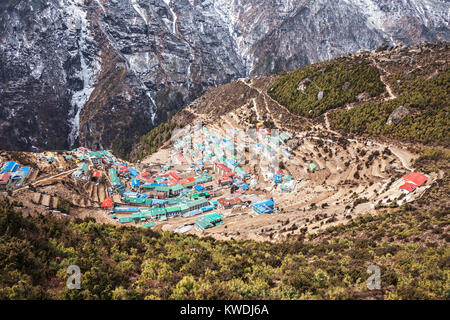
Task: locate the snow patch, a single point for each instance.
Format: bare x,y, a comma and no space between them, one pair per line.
76,17
140,11
174,16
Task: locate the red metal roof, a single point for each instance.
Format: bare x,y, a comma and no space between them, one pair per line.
229,202
5,177
145,174
408,187
122,168
229,174
107,203
171,182
174,175
96,174
220,165
415,177
188,180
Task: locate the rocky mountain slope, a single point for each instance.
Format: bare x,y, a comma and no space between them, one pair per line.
103,73
397,92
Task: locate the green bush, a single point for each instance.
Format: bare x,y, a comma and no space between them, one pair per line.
63,205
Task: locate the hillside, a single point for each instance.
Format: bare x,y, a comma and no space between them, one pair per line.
410,244
355,94
279,187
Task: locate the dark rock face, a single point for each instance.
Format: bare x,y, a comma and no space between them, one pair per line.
101,73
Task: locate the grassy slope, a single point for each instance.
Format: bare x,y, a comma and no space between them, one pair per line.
410,244
331,78
428,97
153,140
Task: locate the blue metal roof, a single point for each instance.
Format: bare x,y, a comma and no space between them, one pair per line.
126,209
9,166
199,188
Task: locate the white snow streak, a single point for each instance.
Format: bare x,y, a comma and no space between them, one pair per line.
140,11
77,19
174,16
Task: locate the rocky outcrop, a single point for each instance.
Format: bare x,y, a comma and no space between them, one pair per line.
399,114
102,73
303,85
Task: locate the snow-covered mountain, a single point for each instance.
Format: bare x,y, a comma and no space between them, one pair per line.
104,72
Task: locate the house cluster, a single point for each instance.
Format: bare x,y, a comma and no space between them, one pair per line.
13,175
212,178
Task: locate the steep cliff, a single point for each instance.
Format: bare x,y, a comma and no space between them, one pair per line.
102,73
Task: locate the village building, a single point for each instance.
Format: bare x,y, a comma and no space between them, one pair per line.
229,203
220,168
266,206
225,181
4,180
208,221
10,166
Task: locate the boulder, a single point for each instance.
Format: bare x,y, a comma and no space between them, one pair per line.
346,86
398,114
320,95
363,96
303,84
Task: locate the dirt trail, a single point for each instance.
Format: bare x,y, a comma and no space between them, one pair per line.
59,175
405,156
383,72
36,183
101,192
95,193
265,98
388,89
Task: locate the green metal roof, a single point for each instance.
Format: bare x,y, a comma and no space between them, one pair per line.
125,220
83,167
136,215
184,207
197,202
174,188
157,211
173,209
200,194
149,225
177,187
114,178
95,154
209,220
